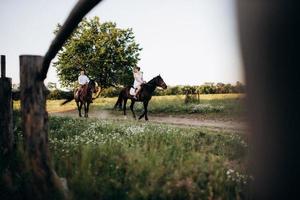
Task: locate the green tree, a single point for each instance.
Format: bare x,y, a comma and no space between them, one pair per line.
106,52
51,86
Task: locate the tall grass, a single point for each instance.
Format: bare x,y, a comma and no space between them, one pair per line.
128,160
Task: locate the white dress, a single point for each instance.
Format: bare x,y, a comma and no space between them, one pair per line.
138,79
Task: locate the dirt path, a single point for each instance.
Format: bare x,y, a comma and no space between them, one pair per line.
185,120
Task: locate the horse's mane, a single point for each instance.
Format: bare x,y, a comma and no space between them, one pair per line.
151,82
91,82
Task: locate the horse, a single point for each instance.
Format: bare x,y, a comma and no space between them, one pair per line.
84,97
144,96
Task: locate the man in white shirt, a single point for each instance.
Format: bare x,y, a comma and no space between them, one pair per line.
83,80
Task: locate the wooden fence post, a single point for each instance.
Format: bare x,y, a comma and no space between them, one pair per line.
269,43
6,124
35,129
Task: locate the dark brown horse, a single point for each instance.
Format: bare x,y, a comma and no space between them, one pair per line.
144,96
84,97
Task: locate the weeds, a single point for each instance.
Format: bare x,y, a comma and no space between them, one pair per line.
128,160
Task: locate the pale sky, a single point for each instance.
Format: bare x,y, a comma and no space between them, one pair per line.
187,42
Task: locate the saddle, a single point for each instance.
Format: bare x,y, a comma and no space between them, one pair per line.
81,90
132,91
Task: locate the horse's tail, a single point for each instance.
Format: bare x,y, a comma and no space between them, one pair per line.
119,101
69,99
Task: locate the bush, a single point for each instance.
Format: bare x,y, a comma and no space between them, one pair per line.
59,94
111,92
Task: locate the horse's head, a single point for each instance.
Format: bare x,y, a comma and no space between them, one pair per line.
160,82
92,86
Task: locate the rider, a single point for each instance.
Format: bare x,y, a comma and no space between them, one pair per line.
138,80
83,80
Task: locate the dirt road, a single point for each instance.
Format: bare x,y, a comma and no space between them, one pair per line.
184,120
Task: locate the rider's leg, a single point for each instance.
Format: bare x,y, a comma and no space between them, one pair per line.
137,91
78,90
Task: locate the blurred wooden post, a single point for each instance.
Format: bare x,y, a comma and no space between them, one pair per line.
6,124
270,47
3,66
35,128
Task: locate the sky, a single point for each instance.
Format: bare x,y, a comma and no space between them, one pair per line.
187,42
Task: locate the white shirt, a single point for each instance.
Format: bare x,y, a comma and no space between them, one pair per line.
83,79
138,79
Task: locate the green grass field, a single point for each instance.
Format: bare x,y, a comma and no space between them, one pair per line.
119,159
129,160
220,106
164,104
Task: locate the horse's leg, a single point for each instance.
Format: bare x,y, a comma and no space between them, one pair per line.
124,106
145,103
146,110
85,110
79,107
131,108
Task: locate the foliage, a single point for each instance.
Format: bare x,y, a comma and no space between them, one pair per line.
192,94
106,52
128,160
51,86
59,94
111,92
219,88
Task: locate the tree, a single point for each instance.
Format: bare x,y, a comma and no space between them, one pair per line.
51,86
239,87
106,52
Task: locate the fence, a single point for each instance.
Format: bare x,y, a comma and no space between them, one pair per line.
33,72
6,125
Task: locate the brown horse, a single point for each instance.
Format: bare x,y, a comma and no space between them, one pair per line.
84,97
144,96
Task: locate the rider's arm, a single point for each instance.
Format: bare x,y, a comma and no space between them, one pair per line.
143,78
87,80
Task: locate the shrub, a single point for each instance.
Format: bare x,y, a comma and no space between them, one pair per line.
59,94
110,92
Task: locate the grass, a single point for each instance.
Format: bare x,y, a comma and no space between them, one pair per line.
211,105
52,106
117,159
130,160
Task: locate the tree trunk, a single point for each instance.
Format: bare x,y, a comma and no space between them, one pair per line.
43,183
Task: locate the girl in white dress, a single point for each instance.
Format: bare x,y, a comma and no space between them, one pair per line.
138,80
